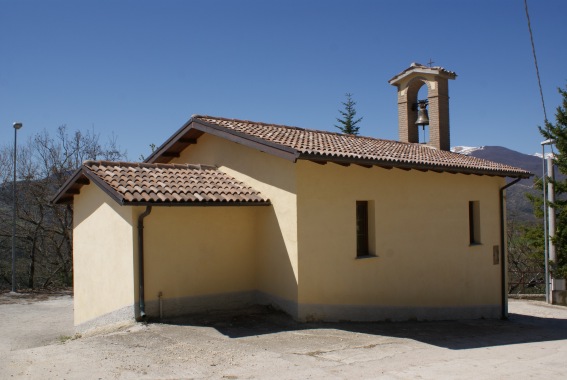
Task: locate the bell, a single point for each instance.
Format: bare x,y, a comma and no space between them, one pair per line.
422,116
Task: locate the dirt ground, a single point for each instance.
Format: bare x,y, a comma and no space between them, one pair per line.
37,340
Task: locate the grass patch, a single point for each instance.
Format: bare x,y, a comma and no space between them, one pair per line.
65,338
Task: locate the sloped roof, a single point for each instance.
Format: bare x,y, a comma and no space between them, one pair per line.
419,68
161,184
321,146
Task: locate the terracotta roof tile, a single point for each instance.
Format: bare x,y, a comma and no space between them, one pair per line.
330,146
171,183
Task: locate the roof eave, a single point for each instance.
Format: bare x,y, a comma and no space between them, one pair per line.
66,186
417,166
200,203
169,142
196,123
83,171
421,70
260,144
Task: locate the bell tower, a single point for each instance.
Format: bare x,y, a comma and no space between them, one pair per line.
408,83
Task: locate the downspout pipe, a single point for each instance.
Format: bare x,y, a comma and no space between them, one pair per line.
504,289
141,300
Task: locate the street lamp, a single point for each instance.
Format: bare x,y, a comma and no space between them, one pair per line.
545,232
16,127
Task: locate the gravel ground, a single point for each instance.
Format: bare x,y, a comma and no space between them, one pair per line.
37,340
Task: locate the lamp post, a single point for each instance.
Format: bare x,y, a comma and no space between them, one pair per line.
545,231
16,127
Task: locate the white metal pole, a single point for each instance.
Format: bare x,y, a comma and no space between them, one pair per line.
551,216
16,127
546,253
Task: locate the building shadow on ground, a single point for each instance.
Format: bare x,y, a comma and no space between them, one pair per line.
454,335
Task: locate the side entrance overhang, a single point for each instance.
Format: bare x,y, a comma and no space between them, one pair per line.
160,238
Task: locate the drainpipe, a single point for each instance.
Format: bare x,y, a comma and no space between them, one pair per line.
504,289
141,261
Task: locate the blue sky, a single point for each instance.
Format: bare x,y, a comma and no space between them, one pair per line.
140,69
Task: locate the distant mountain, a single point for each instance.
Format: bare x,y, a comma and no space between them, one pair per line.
518,206
506,156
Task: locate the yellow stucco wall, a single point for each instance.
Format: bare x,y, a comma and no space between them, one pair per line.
301,250
198,251
103,255
275,227
421,228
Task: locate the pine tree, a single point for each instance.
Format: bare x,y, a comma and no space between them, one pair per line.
558,132
348,122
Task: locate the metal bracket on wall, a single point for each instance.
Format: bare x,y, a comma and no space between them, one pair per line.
495,255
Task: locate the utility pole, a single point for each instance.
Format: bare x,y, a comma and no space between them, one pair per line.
545,227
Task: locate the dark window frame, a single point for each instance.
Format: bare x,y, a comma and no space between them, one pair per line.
362,229
474,223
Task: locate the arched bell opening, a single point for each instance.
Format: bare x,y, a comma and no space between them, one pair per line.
422,117
418,117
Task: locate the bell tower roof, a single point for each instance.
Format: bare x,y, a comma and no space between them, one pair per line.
419,69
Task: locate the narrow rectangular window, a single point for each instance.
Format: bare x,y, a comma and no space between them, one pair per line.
362,235
474,222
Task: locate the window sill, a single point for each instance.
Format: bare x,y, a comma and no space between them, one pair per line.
475,244
366,257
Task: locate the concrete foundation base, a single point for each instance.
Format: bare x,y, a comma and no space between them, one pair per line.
175,307
354,313
316,312
559,297
125,314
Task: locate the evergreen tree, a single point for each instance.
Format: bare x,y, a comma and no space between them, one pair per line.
558,132
348,123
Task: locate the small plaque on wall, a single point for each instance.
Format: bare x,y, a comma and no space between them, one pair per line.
495,255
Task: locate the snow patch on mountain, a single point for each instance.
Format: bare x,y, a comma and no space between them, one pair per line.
538,155
466,149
